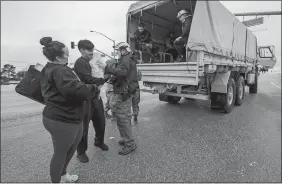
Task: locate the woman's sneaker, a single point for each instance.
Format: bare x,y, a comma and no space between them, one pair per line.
67,178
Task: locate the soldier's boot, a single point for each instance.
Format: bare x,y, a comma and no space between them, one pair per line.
135,119
127,149
107,116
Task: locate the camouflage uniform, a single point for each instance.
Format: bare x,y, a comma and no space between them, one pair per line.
109,95
125,72
136,97
122,109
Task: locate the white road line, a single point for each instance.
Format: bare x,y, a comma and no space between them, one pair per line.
275,85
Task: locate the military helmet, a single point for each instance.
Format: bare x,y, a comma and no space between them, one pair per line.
122,45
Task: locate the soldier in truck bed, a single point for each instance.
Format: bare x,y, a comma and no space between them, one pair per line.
180,42
143,40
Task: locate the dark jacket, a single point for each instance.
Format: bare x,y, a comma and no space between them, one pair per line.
143,37
186,27
83,70
63,93
125,73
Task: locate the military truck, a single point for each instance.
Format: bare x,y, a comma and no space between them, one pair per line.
222,55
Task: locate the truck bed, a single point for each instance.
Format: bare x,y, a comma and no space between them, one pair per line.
188,73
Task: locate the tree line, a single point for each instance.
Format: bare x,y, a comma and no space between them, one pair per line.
8,73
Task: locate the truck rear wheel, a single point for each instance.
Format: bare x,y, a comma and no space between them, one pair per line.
253,87
173,99
169,99
215,101
240,91
229,98
163,98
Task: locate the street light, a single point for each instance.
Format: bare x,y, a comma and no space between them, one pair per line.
92,31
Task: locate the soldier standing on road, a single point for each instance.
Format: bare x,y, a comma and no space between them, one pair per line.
136,99
95,109
124,85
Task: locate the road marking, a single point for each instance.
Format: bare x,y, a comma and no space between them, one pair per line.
275,85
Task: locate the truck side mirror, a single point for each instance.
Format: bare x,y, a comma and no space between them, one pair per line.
265,52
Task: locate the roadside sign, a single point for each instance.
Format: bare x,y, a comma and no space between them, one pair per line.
253,22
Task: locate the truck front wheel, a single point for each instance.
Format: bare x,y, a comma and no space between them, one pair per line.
240,90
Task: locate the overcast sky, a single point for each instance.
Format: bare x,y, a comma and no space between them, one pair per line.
23,23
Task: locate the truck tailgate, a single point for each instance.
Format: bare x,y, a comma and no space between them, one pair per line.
185,73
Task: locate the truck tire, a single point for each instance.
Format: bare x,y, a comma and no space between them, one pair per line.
253,87
163,98
173,99
240,91
228,100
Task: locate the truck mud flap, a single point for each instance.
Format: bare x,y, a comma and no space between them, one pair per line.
219,84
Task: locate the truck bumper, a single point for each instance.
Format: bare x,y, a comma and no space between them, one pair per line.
192,96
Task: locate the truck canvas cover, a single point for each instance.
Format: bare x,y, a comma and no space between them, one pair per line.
214,29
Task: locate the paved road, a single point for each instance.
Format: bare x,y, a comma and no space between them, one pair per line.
176,143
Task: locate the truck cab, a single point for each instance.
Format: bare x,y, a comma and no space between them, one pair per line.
266,56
